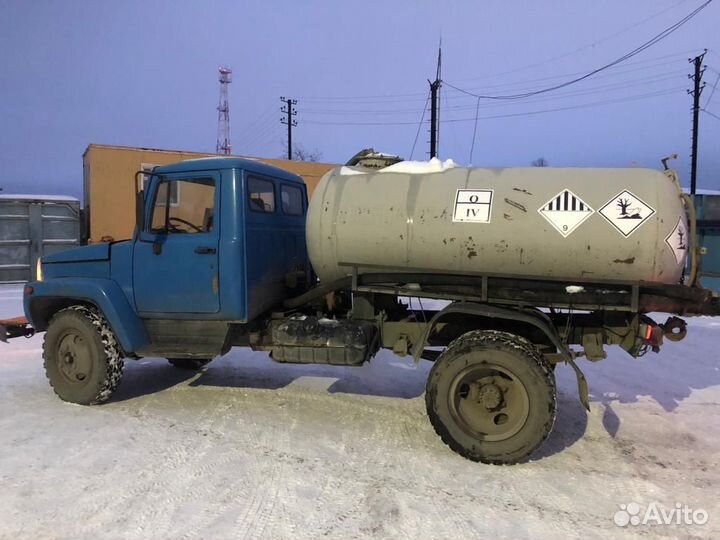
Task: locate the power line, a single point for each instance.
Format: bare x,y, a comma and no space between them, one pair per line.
512,115
613,72
451,133
599,89
711,114
638,65
577,93
461,96
263,136
712,92
584,47
419,96
260,122
573,107
422,119
472,145
656,39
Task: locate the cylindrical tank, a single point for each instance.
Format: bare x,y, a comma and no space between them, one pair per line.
590,224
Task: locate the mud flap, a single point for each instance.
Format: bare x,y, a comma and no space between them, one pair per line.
582,385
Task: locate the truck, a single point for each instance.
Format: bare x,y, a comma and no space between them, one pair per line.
535,267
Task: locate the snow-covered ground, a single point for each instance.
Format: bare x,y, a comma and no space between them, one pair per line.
253,449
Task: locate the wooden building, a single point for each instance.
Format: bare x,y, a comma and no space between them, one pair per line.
109,184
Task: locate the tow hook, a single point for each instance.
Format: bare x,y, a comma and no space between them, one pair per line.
17,327
675,328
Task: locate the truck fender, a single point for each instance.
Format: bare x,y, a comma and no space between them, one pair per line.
533,317
50,296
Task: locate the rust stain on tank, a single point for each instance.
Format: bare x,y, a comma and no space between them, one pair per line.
522,190
515,204
508,217
629,260
472,253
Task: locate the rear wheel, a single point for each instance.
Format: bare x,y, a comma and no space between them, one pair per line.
491,397
189,363
82,358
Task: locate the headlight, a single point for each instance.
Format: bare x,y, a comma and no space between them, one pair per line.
38,270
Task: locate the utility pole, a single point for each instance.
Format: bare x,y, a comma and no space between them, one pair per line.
435,107
696,77
223,145
288,120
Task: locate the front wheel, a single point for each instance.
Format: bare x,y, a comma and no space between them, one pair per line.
82,358
190,363
491,397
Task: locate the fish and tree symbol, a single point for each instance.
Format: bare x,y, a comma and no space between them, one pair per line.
624,204
681,239
626,212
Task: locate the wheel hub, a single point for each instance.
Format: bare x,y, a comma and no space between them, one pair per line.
74,358
490,396
489,402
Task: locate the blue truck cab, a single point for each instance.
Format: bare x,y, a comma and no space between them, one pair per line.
218,241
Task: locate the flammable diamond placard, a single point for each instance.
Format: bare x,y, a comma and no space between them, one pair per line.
626,212
566,211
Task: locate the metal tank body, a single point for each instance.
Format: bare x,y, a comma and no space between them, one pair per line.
573,223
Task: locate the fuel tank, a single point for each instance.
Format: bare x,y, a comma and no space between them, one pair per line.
575,223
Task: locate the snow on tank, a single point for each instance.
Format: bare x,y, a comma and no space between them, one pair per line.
574,223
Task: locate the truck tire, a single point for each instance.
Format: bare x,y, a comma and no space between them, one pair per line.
82,358
189,363
491,397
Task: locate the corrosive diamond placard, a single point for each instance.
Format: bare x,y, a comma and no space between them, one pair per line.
677,241
626,212
566,212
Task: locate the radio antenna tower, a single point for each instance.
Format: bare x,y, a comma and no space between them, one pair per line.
223,134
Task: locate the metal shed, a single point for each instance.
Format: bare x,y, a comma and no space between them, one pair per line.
708,223
32,226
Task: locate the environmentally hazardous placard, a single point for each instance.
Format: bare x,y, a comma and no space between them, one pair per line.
566,212
474,205
626,212
677,241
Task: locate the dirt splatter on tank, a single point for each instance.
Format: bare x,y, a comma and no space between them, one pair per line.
593,224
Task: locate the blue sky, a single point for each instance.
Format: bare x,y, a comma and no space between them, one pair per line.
145,74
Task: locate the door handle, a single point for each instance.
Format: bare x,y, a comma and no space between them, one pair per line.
205,250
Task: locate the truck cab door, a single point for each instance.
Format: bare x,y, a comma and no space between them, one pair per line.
176,263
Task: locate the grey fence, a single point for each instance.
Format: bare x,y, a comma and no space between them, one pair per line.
31,227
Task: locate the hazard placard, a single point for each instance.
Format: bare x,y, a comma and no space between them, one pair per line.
626,212
566,212
677,241
473,205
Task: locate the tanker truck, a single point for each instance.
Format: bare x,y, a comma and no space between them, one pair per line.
537,267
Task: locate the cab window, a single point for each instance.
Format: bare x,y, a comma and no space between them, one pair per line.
292,200
190,208
261,195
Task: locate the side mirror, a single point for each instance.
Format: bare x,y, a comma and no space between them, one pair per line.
140,210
